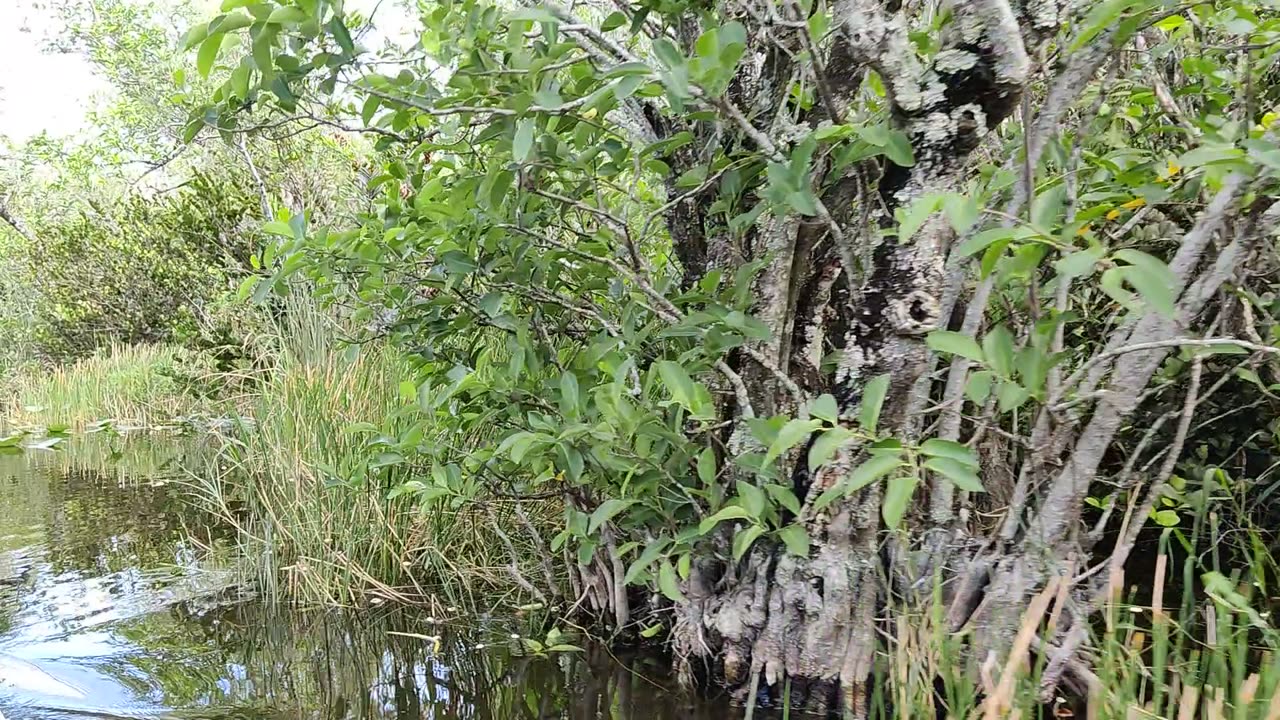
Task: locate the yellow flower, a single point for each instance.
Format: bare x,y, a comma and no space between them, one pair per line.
1171,171
1131,205
1084,229
590,114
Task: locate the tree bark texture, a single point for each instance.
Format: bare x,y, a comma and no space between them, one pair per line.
833,285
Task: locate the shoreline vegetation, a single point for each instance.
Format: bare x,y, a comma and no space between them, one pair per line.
871,359
1191,636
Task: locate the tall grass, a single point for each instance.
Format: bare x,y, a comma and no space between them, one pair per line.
1188,633
319,517
129,384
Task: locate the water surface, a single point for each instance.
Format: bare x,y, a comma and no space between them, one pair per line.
116,601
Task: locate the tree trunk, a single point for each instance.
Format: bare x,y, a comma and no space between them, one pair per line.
811,621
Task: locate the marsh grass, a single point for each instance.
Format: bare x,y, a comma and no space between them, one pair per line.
1184,638
139,385
314,508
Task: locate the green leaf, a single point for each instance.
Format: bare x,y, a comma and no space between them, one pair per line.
744,539
1153,280
534,14
240,81
783,496
232,22
954,343
668,583
386,459
668,53
824,408
522,145
913,217
607,511
937,447
707,467
962,212
1046,209
280,88
613,22
564,647
262,52
195,36
978,387
1210,154
997,348
1010,396
897,498
876,467
732,512
751,498
796,538
208,54
276,227
572,461
569,399
286,14
789,436
826,445
1080,263
873,395
369,109
338,29
961,474
628,69
678,382
898,149
651,552
979,242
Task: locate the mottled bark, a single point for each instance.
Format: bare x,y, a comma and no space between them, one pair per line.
775,616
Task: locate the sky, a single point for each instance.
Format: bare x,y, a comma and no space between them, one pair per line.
42,90
39,90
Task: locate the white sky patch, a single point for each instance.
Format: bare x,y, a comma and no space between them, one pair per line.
39,90
42,90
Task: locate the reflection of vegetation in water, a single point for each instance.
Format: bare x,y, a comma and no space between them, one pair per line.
98,505
248,659
102,519
92,532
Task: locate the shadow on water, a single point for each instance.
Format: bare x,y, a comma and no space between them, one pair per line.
112,604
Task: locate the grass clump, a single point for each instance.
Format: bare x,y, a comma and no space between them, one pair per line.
129,384
326,504
1179,633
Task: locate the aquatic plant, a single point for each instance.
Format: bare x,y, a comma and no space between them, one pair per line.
323,494
130,385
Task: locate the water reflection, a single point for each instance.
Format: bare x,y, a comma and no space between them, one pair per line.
111,606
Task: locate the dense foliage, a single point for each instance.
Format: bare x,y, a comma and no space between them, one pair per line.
143,271
131,234
804,323
801,309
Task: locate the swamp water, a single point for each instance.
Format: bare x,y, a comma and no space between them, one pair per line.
110,606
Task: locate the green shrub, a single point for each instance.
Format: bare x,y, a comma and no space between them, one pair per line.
144,270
